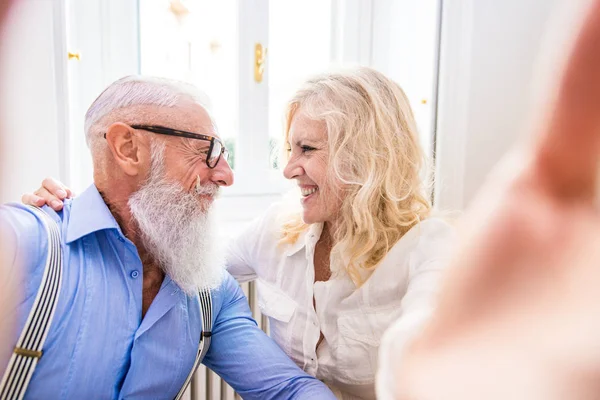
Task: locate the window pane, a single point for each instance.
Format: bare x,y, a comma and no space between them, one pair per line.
296,51
195,41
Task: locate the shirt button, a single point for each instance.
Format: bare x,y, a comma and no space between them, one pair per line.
121,239
135,274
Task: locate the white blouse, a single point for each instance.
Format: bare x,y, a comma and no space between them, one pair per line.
351,319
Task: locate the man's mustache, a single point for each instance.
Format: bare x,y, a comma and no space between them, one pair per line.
210,189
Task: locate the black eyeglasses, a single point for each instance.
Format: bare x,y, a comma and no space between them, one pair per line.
215,151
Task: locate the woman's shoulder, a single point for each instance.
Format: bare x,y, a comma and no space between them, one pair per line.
430,239
432,229
435,228
276,215
269,226
282,211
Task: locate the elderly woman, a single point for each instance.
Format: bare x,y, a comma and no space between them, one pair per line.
363,251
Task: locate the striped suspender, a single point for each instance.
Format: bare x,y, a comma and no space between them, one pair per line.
203,345
28,350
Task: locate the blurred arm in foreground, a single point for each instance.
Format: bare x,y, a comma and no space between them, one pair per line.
519,312
7,278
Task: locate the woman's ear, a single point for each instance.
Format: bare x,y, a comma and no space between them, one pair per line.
129,150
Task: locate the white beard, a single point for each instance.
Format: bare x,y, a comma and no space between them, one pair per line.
177,229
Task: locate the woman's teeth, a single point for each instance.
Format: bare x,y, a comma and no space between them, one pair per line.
308,191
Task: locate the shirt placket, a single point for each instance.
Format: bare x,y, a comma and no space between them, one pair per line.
133,271
312,331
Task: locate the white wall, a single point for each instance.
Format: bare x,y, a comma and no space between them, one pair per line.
490,52
404,48
32,59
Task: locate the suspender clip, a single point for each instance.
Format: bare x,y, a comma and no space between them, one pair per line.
27,353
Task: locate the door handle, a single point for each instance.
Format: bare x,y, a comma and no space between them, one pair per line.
260,55
74,56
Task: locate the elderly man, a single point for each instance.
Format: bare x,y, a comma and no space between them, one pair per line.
137,247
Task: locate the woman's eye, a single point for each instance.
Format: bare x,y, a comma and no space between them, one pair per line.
306,149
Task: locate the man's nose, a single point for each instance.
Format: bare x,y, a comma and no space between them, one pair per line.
222,174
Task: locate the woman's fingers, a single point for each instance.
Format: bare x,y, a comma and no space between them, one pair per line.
51,193
50,199
56,188
32,200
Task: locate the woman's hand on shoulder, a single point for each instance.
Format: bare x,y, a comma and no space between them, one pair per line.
51,193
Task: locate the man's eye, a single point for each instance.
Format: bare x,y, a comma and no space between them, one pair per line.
306,149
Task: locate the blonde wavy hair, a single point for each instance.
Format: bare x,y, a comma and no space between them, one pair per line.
374,154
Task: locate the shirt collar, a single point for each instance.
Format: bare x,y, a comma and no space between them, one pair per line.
89,214
308,238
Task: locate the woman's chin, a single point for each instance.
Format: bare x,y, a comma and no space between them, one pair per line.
308,217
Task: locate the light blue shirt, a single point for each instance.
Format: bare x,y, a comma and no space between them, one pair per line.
99,347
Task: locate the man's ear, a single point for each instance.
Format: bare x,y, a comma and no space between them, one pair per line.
130,151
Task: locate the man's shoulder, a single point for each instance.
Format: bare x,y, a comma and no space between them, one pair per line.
19,219
24,234
27,217
27,222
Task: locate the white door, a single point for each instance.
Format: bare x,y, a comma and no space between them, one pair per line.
102,44
248,56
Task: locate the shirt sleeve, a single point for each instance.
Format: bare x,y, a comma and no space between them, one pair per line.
23,247
244,250
426,267
248,360
239,258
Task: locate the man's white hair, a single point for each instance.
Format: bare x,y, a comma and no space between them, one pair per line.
137,90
